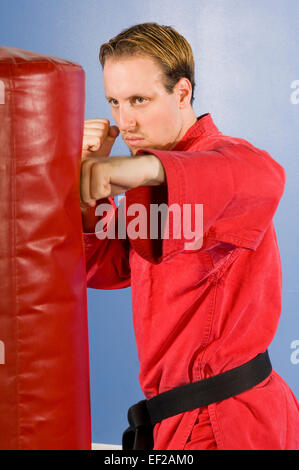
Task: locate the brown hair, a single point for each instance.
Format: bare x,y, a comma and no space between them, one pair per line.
163,43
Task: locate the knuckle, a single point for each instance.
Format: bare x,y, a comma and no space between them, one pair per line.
96,170
95,175
85,166
96,142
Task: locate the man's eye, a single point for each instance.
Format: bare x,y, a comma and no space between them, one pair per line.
113,102
139,100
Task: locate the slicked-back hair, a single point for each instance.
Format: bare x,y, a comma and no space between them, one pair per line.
163,43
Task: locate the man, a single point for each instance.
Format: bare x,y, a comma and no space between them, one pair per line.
197,312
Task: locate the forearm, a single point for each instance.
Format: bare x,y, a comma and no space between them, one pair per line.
153,169
135,171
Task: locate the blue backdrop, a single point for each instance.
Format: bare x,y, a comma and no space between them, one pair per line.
247,76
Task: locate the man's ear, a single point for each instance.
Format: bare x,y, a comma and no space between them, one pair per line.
183,90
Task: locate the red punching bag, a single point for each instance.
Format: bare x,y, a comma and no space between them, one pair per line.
44,360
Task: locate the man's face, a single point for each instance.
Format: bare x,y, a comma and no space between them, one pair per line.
146,114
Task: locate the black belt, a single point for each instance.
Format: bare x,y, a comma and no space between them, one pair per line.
145,414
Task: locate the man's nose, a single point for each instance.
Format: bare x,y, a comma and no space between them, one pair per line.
127,120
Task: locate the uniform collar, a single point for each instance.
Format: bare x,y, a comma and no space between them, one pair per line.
203,127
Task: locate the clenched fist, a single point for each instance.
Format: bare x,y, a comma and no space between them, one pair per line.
98,138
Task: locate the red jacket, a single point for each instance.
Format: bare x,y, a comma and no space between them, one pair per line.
201,312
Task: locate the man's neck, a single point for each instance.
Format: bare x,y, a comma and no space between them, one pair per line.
189,119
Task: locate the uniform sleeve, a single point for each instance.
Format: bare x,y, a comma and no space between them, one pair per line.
238,186
107,259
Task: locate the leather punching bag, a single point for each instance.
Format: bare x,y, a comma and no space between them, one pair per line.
44,363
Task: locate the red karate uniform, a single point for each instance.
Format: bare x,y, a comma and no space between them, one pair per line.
201,312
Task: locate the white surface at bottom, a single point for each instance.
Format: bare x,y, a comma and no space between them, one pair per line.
96,446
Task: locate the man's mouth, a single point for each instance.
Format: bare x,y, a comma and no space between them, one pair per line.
133,140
